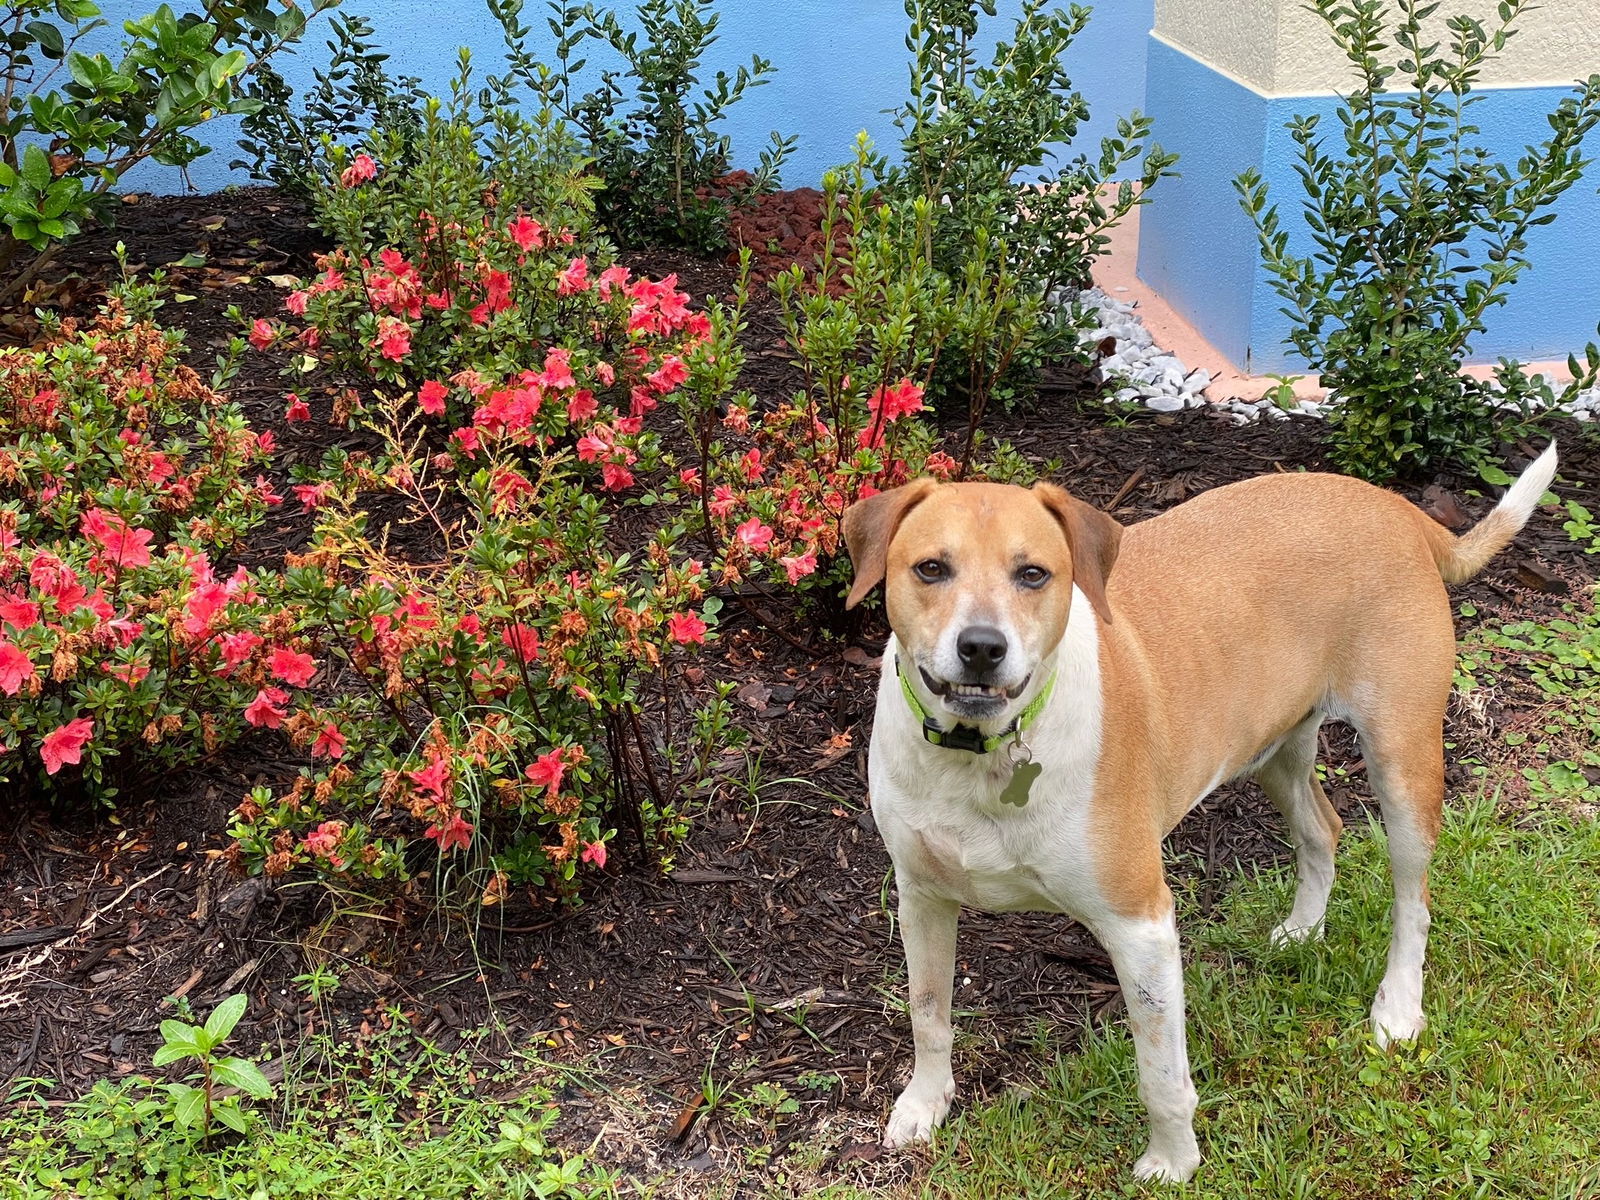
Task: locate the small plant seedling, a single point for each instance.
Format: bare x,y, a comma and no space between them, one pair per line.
197,1103
1281,393
1582,527
322,980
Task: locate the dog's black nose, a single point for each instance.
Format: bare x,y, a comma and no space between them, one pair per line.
981,647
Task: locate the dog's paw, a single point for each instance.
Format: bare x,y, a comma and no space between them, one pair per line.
1287,934
1167,1166
917,1113
1396,1016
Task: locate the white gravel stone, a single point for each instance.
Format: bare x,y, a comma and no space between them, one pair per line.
1156,378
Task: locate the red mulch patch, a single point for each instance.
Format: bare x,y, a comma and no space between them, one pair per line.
765,953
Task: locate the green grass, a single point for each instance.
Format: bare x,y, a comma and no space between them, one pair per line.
1500,1097
391,1117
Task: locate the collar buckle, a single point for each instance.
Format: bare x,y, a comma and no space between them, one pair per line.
957,737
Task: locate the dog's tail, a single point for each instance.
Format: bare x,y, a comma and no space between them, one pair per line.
1460,558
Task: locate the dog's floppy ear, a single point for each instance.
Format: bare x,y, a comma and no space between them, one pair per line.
1093,537
869,527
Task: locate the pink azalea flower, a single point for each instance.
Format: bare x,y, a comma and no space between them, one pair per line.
330,742
292,666
361,169
614,477
522,640
264,710
123,545
324,839
799,566
547,771
394,338
19,614
298,409
16,668
237,647
901,400
595,852
581,405
431,397
527,234
65,744
312,495
575,278
433,778
686,628
455,832
262,333
754,534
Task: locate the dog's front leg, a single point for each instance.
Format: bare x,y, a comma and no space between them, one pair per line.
928,932
1150,970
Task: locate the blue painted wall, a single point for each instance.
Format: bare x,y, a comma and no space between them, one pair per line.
1198,248
840,64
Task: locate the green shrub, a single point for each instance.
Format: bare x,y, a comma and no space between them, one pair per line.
354,98
658,160
75,123
1419,231
969,131
975,140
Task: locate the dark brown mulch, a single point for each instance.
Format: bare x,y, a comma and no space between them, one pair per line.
766,952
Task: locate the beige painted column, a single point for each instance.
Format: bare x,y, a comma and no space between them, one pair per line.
1278,48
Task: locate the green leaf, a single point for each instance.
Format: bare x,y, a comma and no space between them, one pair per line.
190,1106
231,1116
36,167
191,260
225,66
174,1050
1492,474
225,1016
244,1075
48,37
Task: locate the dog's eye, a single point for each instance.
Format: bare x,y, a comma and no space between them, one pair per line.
1033,577
931,570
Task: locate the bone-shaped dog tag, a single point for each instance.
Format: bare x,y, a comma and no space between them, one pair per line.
1022,777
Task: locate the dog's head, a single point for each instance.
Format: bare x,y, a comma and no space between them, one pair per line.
979,580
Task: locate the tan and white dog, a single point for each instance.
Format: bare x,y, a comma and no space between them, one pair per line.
1059,691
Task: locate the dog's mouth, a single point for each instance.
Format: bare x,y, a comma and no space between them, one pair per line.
974,695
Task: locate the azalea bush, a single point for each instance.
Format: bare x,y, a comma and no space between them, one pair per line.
488,698
475,283
486,723
122,476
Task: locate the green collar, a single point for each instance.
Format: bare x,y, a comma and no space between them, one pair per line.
968,737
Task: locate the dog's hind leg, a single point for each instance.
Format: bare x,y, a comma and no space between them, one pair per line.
1405,763
1289,779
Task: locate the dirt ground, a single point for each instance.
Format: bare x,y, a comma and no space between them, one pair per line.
765,954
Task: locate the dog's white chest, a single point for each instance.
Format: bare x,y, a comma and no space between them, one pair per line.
1001,865
948,832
